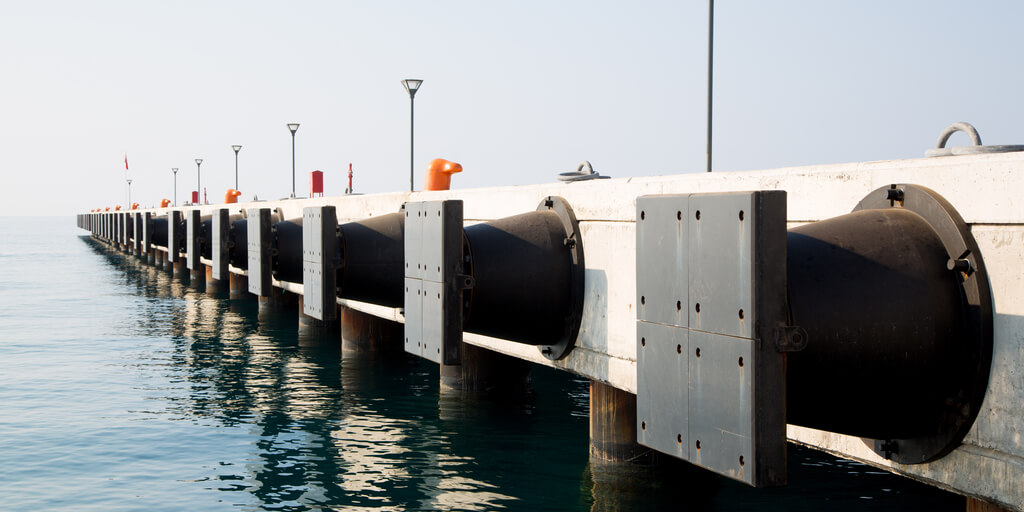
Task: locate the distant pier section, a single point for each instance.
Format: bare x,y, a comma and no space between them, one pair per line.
871,310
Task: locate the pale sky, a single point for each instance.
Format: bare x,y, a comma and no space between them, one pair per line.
514,91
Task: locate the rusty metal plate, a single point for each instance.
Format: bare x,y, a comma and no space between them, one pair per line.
721,406
661,230
719,255
663,388
413,316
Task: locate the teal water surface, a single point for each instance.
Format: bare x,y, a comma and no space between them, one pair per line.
124,389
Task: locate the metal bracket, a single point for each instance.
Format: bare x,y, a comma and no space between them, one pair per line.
434,280
319,262
790,338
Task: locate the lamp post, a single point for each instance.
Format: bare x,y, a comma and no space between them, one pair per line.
129,194
199,189
293,127
411,86
236,147
175,171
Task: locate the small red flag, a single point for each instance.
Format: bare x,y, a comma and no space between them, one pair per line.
126,161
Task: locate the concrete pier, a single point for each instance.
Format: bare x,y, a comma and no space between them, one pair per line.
985,190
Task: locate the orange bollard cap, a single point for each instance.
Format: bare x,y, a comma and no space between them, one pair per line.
439,174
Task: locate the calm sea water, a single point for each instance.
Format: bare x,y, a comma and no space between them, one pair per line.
123,389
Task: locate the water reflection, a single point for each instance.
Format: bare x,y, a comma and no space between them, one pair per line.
324,432
315,431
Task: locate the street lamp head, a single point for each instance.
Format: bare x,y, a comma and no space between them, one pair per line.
411,86
236,147
199,161
174,170
293,127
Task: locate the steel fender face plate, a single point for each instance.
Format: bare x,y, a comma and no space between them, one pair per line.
192,241
219,243
319,250
258,225
173,225
433,263
710,280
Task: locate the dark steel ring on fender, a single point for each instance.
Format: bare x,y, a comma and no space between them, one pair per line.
896,304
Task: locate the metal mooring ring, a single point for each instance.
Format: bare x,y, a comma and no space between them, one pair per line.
976,148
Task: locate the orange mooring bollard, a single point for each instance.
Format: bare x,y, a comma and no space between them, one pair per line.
135,206
231,196
117,208
439,174
164,203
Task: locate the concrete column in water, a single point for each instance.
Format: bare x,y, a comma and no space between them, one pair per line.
311,328
613,424
277,302
362,333
179,268
238,286
976,505
214,286
197,276
487,371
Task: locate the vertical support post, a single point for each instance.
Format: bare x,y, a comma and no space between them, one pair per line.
484,371
313,330
365,334
238,286
612,424
976,505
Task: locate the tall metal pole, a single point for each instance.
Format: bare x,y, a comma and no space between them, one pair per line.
236,147
411,86
199,188
711,60
129,194
412,137
175,171
293,127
